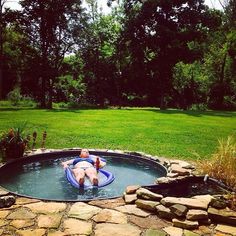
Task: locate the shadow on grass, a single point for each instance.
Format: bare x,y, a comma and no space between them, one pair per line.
189,113
196,113
17,108
156,110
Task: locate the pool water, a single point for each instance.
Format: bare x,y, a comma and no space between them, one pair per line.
46,179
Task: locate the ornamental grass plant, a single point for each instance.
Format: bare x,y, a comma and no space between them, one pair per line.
222,165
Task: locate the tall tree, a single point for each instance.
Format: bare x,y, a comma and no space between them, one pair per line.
52,27
165,28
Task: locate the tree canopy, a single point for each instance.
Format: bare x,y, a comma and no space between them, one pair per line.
164,53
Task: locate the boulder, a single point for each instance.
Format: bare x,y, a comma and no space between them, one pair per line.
148,195
146,205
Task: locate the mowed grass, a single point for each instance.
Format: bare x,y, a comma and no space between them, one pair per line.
171,133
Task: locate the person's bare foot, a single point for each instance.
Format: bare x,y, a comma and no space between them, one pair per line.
81,181
95,182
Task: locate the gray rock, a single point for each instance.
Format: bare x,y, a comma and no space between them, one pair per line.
161,180
7,201
148,195
21,214
222,215
185,224
107,229
189,233
164,212
188,202
155,232
132,189
178,169
173,231
172,175
146,205
197,215
218,203
179,210
186,165
226,229
130,198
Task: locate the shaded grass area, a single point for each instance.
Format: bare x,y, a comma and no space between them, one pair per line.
170,133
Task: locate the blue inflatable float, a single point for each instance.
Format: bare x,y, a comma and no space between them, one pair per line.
104,178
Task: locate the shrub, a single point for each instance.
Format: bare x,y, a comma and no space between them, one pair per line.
14,96
222,165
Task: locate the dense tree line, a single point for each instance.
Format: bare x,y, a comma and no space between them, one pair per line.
164,53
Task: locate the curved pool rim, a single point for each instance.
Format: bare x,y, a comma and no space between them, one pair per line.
61,154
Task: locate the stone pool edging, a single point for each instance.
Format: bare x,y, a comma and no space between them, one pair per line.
174,210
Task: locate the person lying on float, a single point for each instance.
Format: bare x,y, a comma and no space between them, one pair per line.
85,165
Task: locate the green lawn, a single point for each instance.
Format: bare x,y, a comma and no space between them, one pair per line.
170,133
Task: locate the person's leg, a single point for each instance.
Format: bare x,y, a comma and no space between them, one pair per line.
92,174
79,175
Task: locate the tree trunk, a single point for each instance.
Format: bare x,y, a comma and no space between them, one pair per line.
1,52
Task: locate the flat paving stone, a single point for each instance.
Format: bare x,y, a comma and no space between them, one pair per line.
83,211
21,214
46,207
56,233
31,232
189,233
173,231
3,223
3,214
116,230
204,230
226,229
110,203
110,216
133,210
155,232
24,200
78,227
19,224
49,221
150,222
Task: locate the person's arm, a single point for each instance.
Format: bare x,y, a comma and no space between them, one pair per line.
65,164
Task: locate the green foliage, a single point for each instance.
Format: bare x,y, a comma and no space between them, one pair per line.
177,54
14,96
70,89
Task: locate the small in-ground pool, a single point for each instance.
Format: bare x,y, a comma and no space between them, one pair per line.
42,176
